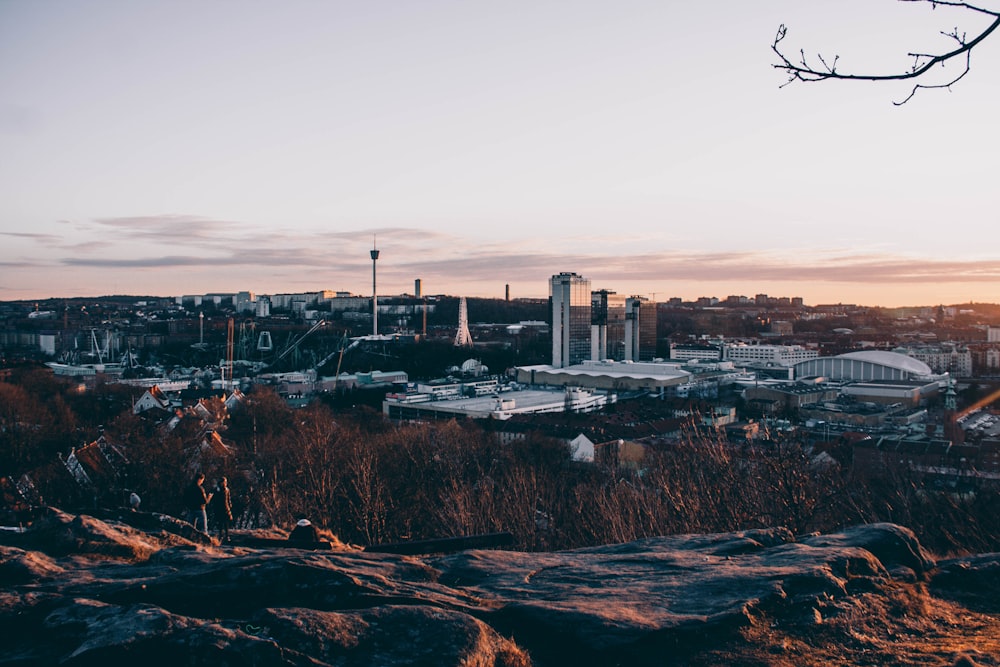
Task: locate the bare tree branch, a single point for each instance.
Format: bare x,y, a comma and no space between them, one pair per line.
804,70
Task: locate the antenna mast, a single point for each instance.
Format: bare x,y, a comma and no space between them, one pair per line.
374,254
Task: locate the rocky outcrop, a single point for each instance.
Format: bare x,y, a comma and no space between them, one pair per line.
78,590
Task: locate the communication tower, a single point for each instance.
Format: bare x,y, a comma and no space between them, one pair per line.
374,254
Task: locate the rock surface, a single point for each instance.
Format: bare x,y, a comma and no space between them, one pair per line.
78,590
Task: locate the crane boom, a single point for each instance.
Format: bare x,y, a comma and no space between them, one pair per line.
299,341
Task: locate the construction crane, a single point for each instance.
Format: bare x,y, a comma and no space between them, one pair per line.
344,347
341,346
298,342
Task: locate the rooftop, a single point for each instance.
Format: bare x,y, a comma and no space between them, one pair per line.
890,359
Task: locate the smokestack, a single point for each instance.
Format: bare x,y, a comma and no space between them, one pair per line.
507,292
416,288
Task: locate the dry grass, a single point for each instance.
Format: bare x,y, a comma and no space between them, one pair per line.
908,627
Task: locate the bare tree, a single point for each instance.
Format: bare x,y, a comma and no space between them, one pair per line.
824,67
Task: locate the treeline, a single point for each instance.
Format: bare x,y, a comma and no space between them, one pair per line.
370,481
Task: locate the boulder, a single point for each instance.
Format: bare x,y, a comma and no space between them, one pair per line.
894,546
974,580
18,566
390,635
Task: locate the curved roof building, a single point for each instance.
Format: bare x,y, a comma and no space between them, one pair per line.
864,366
610,375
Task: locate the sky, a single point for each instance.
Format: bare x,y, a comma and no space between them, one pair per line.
188,147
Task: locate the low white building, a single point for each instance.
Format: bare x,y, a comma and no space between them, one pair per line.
420,406
777,355
689,351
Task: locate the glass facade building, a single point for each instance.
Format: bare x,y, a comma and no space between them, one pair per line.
570,297
607,325
640,329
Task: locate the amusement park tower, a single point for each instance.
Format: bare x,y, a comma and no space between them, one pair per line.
463,338
374,253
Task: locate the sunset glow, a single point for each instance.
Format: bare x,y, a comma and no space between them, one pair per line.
174,148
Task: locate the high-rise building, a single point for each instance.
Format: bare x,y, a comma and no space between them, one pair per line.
570,297
607,325
640,329
244,301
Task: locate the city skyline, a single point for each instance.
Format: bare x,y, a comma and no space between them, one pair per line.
187,148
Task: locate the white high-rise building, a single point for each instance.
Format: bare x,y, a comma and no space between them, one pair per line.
570,295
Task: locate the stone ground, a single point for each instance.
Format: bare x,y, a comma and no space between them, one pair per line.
145,588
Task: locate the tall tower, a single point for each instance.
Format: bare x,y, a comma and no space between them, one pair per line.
463,338
374,253
640,329
607,325
570,297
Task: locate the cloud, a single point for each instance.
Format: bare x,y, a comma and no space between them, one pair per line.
221,250
228,237
47,239
389,234
168,228
750,267
22,264
131,242
88,246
